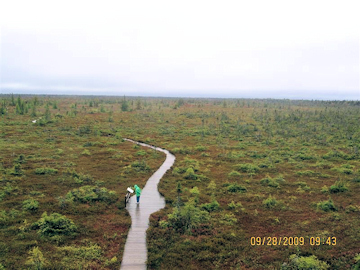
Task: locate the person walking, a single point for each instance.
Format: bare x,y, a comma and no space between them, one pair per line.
138,193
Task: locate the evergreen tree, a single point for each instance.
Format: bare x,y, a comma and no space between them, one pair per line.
47,113
124,105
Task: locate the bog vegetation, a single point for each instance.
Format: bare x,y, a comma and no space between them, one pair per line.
244,168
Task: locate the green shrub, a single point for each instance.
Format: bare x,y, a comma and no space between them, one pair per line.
200,148
210,207
302,187
228,219
191,163
325,189
16,170
234,174
8,189
45,170
337,155
195,191
247,167
36,259
327,206
236,188
86,152
183,150
81,178
140,153
30,205
89,144
80,257
266,165
20,159
87,194
345,169
268,181
304,263
55,224
270,202
178,170
357,262
324,165
187,217
352,208
190,174
357,177
235,206
302,156
307,173
140,166
339,186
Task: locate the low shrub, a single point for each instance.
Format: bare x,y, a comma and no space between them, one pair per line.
234,174
80,257
140,166
268,181
186,218
326,206
236,188
182,150
178,170
302,187
54,224
45,170
16,170
235,206
307,173
20,159
325,189
270,202
190,174
339,186
36,259
247,168
324,165
88,194
200,148
228,219
30,205
337,155
140,153
191,163
352,208
210,207
86,152
300,262
357,262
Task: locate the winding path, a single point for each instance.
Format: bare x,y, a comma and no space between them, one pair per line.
135,253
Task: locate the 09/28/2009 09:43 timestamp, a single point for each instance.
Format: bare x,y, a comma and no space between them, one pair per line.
292,241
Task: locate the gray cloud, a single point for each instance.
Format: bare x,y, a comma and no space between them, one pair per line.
150,52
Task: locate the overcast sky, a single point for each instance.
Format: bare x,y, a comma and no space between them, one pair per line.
245,49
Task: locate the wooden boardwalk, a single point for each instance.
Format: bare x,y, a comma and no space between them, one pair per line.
135,253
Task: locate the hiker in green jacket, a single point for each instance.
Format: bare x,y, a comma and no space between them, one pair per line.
137,192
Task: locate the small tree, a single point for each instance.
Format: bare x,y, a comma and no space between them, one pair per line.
188,217
47,114
124,106
36,259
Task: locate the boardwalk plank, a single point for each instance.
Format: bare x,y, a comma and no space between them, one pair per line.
135,253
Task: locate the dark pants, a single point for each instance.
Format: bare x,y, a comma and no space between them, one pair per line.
137,198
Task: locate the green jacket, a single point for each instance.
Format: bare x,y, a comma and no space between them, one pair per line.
137,190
